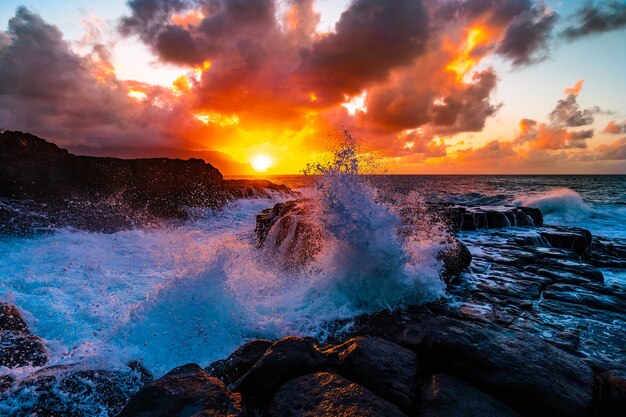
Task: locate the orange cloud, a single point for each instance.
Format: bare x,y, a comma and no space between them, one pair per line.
614,128
575,90
406,75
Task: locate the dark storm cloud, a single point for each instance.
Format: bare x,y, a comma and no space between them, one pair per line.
527,36
595,18
223,25
500,11
528,25
47,89
371,38
568,113
467,108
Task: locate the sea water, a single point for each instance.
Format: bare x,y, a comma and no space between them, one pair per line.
193,292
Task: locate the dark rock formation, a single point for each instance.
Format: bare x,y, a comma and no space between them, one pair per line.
18,347
11,319
327,395
107,194
239,362
606,253
186,391
383,367
288,229
575,239
21,349
612,393
514,367
489,217
284,360
456,258
73,391
445,395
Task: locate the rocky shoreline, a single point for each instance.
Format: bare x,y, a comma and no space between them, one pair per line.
529,328
44,186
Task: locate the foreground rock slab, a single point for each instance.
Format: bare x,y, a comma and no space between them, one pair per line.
186,391
18,347
383,367
516,368
325,394
286,359
446,396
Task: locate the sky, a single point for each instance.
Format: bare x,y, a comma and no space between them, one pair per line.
266,86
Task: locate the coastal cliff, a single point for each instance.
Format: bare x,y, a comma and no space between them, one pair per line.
54,188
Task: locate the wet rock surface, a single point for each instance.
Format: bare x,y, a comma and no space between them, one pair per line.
43,186
383,367
18,347
284,360
325,394
521,370
72,391
530,327
186,391
446,395
239,362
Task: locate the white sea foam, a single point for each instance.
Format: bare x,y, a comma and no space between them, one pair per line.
563,203
193,293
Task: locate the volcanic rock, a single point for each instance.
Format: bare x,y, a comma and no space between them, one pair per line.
186,391
108,194
285,359
516,368
383,367
11,319
239,362
328,395
73,391
21,349
445,395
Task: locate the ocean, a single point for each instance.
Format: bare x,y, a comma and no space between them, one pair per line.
193,292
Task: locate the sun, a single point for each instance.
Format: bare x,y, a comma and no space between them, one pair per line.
260,163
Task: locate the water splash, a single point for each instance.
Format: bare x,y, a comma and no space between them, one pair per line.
562,203
193,292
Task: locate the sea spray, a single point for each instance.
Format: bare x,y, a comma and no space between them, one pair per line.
193,292
564,203
377,268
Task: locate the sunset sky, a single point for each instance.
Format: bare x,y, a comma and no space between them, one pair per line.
432,86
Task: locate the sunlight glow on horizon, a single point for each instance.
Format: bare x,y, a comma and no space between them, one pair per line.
261,163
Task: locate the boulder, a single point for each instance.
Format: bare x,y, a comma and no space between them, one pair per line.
519,369
383,367
490,217
186,391
19,348
324,394
447,396
239,362
285,359
11,319
456,258
288,229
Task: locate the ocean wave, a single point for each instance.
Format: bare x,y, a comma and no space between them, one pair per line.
193,292
563,203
